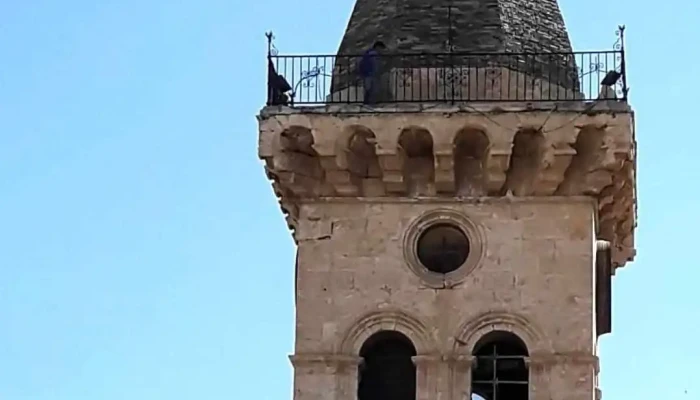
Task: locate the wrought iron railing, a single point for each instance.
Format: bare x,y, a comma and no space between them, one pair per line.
447,77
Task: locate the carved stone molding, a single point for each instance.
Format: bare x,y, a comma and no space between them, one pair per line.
459,153
547,360
474,329
393,320
473,231
340,369
302,360
427,359
461,360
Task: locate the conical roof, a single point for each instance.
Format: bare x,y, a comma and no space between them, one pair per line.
531,26
527,37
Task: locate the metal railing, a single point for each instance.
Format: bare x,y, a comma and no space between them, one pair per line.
447,77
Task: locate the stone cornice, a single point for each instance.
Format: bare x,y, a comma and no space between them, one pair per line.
423,157
534,360
451,200
547,360
332,360
487,107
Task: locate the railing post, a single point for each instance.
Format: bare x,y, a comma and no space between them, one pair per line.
623,69
269,37
451,59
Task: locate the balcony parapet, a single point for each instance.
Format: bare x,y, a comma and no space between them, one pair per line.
446,78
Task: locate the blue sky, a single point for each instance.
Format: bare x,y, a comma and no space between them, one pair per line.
142,252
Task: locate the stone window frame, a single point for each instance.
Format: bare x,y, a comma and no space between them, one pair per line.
422,337
475,328
387,320
473,232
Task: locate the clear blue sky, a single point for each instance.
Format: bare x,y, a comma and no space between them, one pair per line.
142,252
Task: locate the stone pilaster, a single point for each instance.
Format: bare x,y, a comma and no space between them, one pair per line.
427,376
574,373
314,374
540,369
460,376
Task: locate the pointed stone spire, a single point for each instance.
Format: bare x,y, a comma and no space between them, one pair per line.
473,26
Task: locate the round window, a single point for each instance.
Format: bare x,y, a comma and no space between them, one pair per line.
443,248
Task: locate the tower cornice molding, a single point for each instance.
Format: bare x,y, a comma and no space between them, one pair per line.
473,108
327,359
556,155
443,200
539,359
550,359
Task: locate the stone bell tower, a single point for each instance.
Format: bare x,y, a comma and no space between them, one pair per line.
458,211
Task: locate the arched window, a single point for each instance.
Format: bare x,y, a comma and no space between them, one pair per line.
500,371
388,372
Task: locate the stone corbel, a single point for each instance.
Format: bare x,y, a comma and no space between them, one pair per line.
266,141
298,184
340,178
497,163
291,213
608,162
391,163
557,160
344,183
444,169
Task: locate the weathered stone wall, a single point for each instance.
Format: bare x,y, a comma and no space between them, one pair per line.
535,278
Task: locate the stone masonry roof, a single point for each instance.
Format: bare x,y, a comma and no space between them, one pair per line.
533,29
477,26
